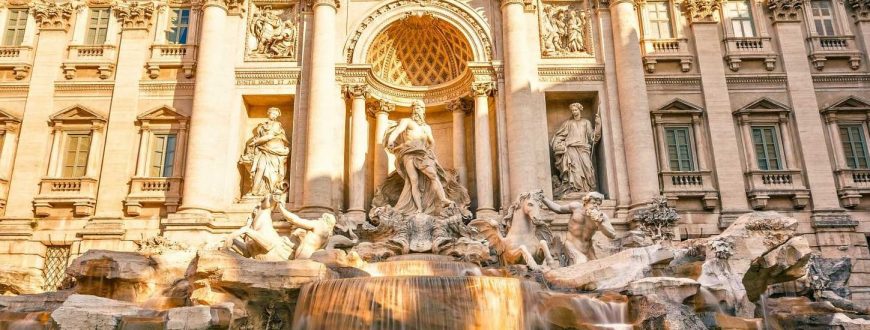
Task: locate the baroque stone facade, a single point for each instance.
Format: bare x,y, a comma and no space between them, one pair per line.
122,120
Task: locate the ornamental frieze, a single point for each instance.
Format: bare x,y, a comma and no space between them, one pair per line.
566,29
273,32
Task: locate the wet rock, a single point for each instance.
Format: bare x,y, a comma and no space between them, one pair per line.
48,301
802,313
650,313
91,312
759,249
554,310
614,272
199,317
262,293
671,289
20,280
155,280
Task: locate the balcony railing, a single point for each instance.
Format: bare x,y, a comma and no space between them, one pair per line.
690,184
154,191
18,58
852,184
101,57
780,183
823,48
739,49
657,50
81,193
172,56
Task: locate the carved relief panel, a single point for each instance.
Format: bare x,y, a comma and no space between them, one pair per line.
566,29
273,30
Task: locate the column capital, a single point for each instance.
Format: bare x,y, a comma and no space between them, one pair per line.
702,11
785,10
459,105
380,107
355,91
52,15
134,14
335,4
233,7
528,5
480,89
614,3
860,9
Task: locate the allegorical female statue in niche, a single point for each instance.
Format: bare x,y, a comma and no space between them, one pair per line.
265,155
572,145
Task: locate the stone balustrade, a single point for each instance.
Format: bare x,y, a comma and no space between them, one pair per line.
690,184
81,193
823,48
99,57
172,56
17,58
738,49
781,183
852,185
675,49
153,191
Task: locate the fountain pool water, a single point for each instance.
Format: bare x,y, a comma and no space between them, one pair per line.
435,294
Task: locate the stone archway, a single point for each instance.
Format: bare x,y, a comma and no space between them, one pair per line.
409,50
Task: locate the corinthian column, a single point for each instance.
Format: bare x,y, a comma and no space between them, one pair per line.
524,117
482,148
381,112
639,144
204,181
320,143
358,146
458,108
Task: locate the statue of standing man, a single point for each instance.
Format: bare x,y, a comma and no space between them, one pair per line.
572,145
423,190
265,156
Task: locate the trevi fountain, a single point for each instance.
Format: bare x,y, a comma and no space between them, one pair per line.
421,260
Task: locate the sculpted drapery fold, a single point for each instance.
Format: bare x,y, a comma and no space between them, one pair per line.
573,144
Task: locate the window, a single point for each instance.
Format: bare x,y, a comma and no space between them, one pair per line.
679,148
163,155
98,25
75,158
823,17
854,145
740,16
54,270
179,22
766,143
659,20
15,26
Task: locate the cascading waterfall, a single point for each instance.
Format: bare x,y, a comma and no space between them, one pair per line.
427,294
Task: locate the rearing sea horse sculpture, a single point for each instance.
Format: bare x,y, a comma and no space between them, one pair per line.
527,234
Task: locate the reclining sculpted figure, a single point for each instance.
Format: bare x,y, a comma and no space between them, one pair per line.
586,219
258,239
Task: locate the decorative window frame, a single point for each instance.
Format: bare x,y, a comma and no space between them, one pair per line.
80,55
764,184
759,47
165,55
674,49
852,184
81,192
9,128
161,191
842,45
18,58
696,184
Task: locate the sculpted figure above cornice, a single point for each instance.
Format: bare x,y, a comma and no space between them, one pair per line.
785,10
134,14
861,9
52,15
702,11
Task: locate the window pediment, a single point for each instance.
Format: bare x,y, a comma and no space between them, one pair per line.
763,105
6,117
679,106
851,103
76,114
162,114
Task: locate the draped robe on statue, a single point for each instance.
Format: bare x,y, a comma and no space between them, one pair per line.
396,189
268,151
572,145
